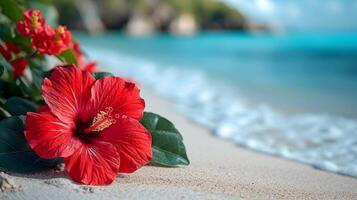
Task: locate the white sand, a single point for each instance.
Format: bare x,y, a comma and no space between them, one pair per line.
218,170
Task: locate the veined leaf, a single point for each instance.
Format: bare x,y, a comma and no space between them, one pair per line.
69,56
167,142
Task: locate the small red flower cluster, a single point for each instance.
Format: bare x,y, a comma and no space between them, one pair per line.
50,41
44,38
10,52
32,23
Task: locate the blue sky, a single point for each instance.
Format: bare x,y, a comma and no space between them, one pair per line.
302,15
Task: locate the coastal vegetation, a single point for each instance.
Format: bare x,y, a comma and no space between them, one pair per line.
148,16
58,109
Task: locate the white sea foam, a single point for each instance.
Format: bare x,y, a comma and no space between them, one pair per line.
325,142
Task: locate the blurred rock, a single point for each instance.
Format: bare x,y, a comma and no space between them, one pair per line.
89,15
260,27
141,17
185,24
6,183
163,15
140,25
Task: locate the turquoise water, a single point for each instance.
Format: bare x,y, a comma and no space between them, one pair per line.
296,73
292,95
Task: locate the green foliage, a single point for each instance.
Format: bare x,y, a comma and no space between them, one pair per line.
99,75
209,14
15,153
9,89
19,106
22,94
36,68
46,74
4,65
25,87
4,113
69,56
167,142
11,9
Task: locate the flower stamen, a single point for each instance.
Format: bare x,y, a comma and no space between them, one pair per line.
102,120
34,19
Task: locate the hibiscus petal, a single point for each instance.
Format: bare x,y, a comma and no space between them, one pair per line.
96,163
67,92
132,141
115,92
48,136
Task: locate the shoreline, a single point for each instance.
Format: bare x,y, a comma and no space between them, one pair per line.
320,140
219,170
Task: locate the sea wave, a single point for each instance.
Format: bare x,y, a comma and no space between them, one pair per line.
325,142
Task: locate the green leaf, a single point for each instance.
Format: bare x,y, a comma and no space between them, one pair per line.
167,142
37,71
37,76
99,75
25,87
11,9
9,88
2,69
19,106
69,56
47,74
15,154
4,65
4,113
7,32
23,42
41,1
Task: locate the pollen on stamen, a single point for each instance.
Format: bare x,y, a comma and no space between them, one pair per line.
34,19
103,119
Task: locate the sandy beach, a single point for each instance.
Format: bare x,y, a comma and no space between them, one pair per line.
219,170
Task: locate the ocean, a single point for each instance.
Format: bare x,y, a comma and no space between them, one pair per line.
291,95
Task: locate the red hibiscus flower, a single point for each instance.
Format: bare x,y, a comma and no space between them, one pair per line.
81,63
92,124
52,41
32,22
10,51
